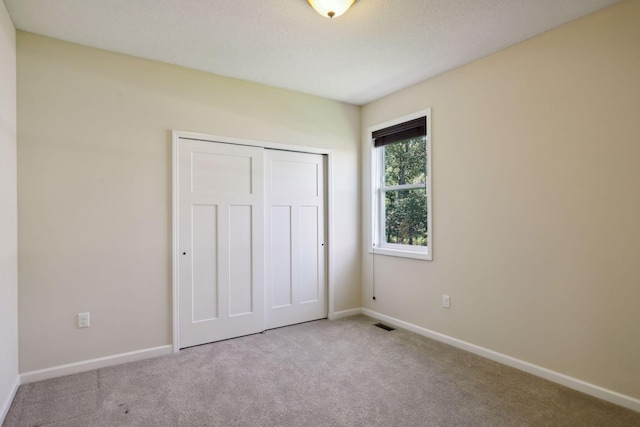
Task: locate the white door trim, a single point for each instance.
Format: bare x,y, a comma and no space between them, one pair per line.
176,136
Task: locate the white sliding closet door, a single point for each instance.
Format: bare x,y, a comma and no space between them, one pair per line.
295,278
221,241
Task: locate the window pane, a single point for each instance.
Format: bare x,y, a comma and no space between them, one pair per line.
405,162
406,217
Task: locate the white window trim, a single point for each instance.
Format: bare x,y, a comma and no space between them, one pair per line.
376,242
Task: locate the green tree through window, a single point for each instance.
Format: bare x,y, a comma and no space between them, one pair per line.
404,188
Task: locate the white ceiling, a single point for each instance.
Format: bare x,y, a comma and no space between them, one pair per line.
376,48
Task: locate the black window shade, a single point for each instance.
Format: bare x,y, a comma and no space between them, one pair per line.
401,132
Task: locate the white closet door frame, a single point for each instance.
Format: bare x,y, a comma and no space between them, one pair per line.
176,136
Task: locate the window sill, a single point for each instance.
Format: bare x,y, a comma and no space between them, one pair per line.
425,256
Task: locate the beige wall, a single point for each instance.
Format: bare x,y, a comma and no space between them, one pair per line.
536,197
8,213
94,162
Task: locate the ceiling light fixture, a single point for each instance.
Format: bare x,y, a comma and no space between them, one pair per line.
331,8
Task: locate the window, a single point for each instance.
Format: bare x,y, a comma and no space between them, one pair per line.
401,193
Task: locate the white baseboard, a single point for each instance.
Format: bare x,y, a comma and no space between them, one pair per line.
556,377
89,365
4,409
345,313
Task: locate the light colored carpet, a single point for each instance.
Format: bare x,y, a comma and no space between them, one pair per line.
325,373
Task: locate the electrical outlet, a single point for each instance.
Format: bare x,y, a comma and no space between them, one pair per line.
446,301
83,320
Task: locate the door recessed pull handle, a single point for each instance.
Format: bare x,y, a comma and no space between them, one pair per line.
184,253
